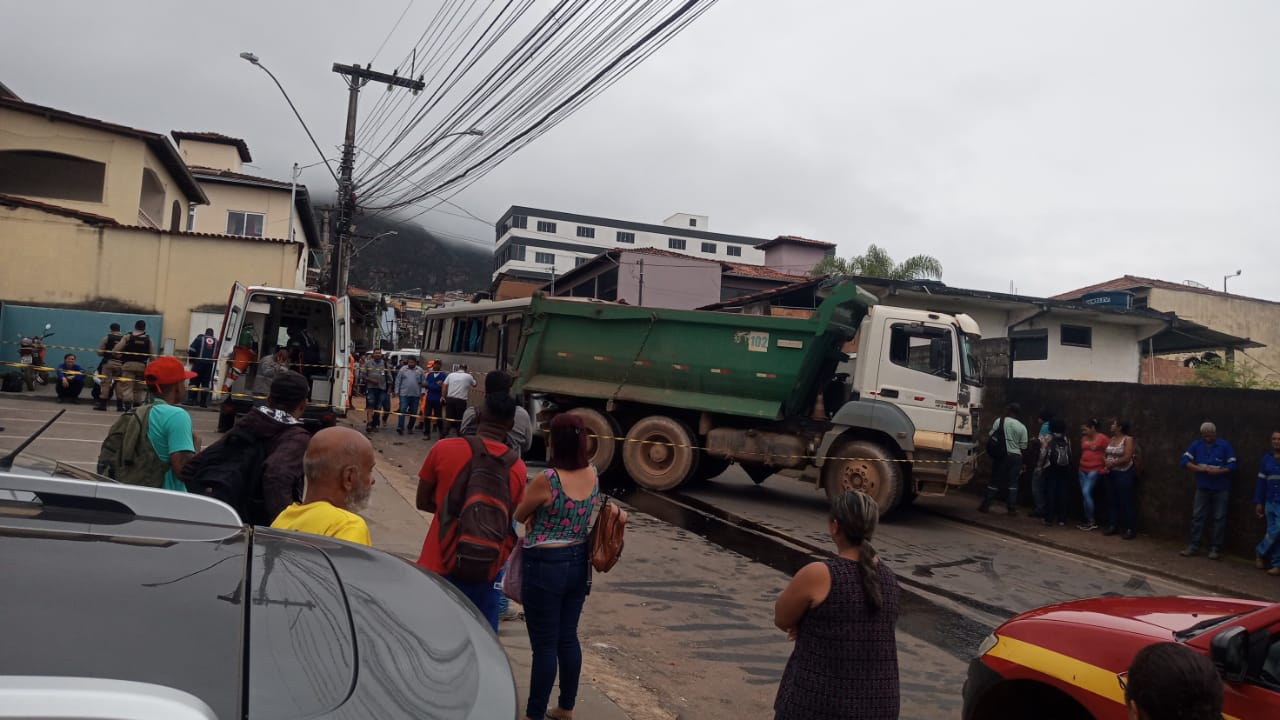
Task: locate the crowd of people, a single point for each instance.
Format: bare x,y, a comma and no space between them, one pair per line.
1112,460
840,612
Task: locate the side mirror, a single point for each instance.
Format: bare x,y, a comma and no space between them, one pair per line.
1228,651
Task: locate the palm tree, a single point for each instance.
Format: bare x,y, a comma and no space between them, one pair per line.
877,263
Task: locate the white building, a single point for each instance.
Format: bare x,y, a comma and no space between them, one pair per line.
534,243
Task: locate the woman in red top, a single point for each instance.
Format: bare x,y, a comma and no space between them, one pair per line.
1093,445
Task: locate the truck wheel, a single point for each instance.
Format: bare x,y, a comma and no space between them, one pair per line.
659,454
709,466
864,466
602,440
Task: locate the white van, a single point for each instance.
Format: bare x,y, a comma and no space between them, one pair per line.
260,319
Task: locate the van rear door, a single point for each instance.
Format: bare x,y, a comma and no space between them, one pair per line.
232,320
342,357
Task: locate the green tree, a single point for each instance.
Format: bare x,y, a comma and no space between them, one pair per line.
875,262
1217,372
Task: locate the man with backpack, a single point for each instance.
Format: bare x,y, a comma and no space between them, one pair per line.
472,484
256,467
150,444
1005,445
1055,470
134,350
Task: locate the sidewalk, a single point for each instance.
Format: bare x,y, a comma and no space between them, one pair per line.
398,527
1232,576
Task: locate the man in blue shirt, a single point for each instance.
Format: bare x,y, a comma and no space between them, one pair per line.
70,380
434,413
1266,497
1213,460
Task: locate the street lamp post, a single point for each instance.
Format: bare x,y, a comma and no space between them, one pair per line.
250,57
352,252
1225,278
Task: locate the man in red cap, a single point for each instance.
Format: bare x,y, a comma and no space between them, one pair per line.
168,425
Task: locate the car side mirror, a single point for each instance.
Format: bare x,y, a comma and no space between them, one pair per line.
1228,651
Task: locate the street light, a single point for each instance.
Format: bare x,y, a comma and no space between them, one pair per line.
254,60
1225,278
351,253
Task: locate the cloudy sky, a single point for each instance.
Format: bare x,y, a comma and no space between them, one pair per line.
1033,145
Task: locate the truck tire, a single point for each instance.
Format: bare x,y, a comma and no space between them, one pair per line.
659,453
602,442
865,466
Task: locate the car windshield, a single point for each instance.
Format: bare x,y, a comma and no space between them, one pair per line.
970,368
1203,625
56,468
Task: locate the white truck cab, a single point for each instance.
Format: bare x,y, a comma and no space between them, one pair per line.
313,327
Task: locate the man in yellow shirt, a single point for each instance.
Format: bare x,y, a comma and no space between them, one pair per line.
338,466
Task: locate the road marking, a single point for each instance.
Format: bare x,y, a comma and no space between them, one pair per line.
59,423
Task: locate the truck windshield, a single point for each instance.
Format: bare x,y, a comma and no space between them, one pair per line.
970,368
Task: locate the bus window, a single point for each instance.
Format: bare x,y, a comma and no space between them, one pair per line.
491,325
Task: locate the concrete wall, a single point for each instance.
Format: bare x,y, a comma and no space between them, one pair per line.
174,273
1258,320
1165,419
124,157
1114,357
210,155
793,258
273,204
681,283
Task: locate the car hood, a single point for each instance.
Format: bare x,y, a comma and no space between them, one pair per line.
410,646
1156,617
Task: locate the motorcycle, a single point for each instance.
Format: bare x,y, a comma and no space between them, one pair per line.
31,355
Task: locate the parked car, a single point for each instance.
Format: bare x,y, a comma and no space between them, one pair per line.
124,601
1062,662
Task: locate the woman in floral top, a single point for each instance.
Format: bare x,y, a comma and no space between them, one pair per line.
556,511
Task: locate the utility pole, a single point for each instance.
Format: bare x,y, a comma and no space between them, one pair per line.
357,77
640,298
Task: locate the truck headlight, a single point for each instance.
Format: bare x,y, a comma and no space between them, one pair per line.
987,644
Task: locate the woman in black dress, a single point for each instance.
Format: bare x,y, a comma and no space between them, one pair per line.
841,614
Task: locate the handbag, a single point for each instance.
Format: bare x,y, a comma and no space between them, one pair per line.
513,580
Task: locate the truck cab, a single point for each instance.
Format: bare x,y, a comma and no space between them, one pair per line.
914,387
313,328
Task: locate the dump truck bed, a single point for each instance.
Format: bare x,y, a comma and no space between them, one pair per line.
747,365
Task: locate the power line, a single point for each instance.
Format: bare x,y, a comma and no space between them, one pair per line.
394,27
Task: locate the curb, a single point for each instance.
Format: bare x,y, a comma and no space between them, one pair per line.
1129,565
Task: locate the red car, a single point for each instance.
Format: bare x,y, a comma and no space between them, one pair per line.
1061,662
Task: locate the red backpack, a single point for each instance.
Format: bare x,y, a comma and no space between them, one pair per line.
475,522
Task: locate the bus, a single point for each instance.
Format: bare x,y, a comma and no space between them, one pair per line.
482,335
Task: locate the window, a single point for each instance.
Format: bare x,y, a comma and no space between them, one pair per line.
547,227
519,221
191,217
51,175
586,232
1029,345
676,243
693,222
1076,336
627,237
579,261
733,251
244,223
709,248
544,258
923,348
517,251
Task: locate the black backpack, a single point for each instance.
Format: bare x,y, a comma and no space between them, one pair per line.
1059,453
996,447
475,522
231,470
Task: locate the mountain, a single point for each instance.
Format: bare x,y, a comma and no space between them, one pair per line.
415,260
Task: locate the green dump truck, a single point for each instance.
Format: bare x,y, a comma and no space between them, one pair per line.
676,396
